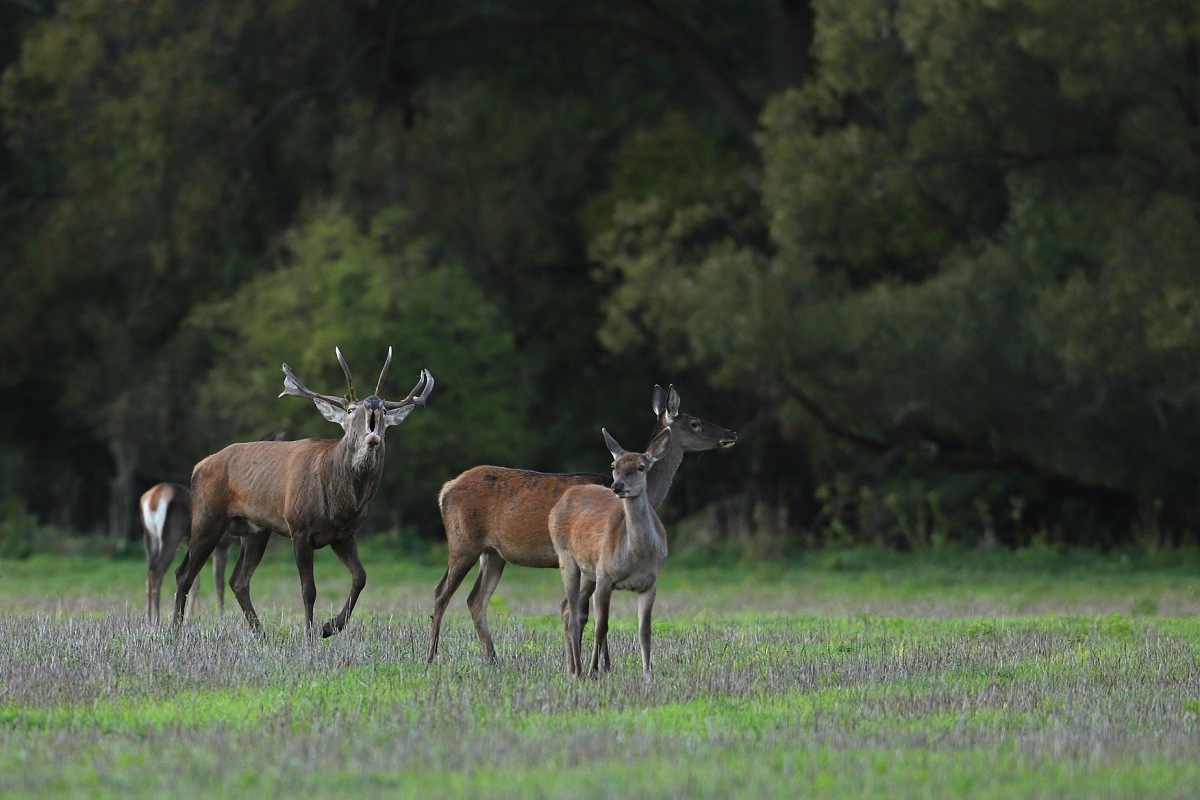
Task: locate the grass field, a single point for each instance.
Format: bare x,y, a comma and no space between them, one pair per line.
849,674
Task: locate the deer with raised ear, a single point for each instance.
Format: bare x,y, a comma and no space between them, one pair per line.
313,491
606,539
497,515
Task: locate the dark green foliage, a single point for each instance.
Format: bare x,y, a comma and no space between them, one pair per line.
938,261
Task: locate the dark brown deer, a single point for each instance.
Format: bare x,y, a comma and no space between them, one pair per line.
166,522
609,539
313,491
497,515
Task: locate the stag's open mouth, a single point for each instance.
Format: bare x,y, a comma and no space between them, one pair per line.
727,442
373,437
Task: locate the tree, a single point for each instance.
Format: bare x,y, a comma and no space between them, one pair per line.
979,226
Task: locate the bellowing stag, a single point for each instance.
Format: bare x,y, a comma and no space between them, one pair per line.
313,491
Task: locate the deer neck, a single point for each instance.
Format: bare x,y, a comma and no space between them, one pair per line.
662,472
641,526
355,472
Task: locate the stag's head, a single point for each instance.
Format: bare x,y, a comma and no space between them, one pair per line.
364,421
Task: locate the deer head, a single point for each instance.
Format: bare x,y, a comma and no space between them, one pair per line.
364,421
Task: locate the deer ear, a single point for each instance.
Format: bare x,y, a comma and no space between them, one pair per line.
658,400
329,411
659,444
672,403
395,416
613,447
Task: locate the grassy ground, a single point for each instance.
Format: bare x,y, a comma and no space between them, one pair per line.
849,674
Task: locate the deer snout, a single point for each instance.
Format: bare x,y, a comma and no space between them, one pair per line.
730,442
619,488
374,415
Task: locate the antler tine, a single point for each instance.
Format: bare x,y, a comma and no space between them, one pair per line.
383,373
292,386
349,377
424,387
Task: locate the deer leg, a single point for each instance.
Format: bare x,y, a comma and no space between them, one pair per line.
447,586
220,556
347,552
572,632
581,602
254,544
185,577
491,567
303,549
601,597
645,607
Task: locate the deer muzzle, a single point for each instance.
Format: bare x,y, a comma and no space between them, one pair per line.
374,419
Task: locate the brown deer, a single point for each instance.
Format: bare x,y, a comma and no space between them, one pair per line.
166,522
609,539
497,515
313,491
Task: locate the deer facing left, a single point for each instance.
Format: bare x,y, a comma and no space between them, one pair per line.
313,491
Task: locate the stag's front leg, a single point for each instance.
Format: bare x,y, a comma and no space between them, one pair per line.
303,549
347,551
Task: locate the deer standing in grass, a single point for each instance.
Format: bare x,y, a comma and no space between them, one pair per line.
313,491
166,520
609,539
496,515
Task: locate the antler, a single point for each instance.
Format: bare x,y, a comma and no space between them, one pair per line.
424,387
383,373
349,377
292,386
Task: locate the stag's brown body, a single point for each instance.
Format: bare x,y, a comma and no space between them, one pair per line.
498,515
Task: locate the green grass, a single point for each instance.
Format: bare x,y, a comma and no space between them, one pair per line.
857,675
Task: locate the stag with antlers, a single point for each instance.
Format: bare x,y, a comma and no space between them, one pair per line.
313,491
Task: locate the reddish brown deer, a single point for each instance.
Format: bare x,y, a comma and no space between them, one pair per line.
166,522
609,539
313,491
497,515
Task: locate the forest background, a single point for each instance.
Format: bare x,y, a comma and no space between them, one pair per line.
938,263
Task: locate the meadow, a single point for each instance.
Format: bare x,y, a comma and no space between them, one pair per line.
844,674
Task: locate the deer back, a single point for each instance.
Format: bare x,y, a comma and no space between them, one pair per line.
275,485
507,510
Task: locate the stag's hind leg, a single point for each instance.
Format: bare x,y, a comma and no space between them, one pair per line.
254,544
347,552
185,576
220,557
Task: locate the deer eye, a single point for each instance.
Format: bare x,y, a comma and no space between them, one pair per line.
641,468
695,425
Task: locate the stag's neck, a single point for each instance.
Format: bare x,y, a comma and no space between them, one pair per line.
662,472
354,474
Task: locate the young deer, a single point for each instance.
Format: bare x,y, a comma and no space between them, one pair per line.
494,516
609,539
166,522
